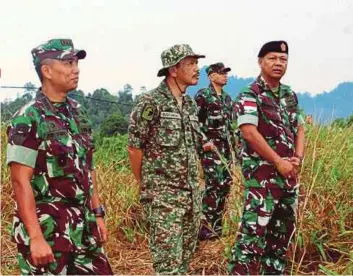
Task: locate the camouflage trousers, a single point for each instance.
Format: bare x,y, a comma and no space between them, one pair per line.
84,262
174,221
268,224
217,187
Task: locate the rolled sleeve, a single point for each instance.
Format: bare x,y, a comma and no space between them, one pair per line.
300,120
21,155
23,141
245,108
248,119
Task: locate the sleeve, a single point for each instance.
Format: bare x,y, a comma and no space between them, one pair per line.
92,148
299,115
142,117
23,141
201,111
246,109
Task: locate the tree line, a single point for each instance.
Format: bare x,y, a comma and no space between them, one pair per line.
109,112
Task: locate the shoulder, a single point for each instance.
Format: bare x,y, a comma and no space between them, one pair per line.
202,93
28,112
246,92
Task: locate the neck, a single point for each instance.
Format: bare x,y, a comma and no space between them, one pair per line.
53,94
177,87
217,87
271,82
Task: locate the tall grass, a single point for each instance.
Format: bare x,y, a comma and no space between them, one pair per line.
323,243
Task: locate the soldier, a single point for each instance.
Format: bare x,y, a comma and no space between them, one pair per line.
272,148
163,137
215,114
58,224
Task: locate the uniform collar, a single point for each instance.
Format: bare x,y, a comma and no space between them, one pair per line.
283,89
164,89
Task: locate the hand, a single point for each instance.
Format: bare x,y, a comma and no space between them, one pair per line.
41,252
285,168
103,233
208,146
296,164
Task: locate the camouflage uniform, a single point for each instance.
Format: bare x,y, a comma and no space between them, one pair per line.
215,116
170,193
55,139
268,220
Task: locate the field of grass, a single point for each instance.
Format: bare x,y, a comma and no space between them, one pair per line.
324,240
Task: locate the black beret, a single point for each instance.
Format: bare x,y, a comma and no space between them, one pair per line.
273,46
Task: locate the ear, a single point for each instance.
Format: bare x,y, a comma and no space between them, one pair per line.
173,71
259,61
46,71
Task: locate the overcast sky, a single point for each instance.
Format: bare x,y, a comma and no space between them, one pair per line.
124,38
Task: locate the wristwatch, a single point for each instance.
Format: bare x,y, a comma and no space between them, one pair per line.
99,212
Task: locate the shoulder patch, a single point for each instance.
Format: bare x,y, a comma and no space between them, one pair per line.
148,112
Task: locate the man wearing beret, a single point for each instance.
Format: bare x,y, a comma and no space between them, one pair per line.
163,138
272,149
58,224
215,114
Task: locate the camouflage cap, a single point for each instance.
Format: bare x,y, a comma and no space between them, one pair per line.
217,68
57,48
174,55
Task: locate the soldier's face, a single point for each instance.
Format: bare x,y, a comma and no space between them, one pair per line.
219,78
187,71
274,65
64,74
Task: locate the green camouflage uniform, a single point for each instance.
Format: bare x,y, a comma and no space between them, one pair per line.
55,139
171,193
215,114
268,220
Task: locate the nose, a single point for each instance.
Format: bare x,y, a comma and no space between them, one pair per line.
75,68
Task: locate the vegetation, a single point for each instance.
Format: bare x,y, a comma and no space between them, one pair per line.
324,240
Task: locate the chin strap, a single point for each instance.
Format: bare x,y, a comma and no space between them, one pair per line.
178,86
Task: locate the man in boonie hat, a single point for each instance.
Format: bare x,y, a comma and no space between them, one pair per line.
164,136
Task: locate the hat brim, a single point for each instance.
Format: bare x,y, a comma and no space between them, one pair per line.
163,71
80,54
224,70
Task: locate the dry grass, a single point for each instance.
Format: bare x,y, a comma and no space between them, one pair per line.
324,240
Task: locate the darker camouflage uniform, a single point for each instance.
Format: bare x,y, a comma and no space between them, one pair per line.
215,115
55,139
171,193
268,220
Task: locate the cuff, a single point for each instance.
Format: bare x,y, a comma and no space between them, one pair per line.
21,155
248,119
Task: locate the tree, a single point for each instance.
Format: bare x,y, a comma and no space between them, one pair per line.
125,100
113,125
30,88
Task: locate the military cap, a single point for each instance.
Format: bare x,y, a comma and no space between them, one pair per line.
273,46
57,48
174,55
217,68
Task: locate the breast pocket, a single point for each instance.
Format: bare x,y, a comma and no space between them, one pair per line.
59,153
169,133
271,119
270,111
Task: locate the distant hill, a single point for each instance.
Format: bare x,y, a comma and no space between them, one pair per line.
324,107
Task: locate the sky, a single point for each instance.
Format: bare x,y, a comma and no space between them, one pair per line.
124,38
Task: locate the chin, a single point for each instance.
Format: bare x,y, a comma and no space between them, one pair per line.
193,82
